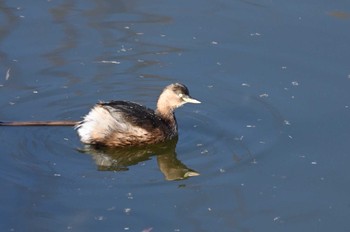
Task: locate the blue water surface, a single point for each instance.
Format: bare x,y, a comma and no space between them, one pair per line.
270,139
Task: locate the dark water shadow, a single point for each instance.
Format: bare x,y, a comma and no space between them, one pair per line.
120,159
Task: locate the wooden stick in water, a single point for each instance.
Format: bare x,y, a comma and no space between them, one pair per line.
40,123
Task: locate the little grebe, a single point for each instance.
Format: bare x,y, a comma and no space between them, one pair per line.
124,123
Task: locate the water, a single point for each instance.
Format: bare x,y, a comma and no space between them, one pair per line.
270,139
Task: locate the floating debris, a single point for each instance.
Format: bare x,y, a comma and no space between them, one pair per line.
214,43
99,218
109,62
263,95
286,122
246,84
295,83
7,76
255,34
130,197
127,211
147,229
250,126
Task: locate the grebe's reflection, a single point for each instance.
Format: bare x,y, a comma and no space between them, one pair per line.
119,159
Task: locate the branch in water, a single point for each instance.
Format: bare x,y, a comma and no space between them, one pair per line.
40,123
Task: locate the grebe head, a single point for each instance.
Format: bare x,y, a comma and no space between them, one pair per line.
172,97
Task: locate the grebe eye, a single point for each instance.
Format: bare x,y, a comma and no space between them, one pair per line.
180,95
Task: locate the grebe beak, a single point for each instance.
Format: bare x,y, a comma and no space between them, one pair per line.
188,99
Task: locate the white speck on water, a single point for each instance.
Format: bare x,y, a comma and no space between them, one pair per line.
176,230
66,139
284,67
69,227
56,174
205,151
250,126
254,161
222,170
12,103
126,228
123,49
194,37
286,122
99,218
313,162
239,138
263,95
218,63
242,184
127,27
140,33
255,34
109,62
129,195
214,42
127,211
295,83
162,35
199,144
276,218
209,209
262,142
346,107
35,91
210,86
7,76
111,208
147,229
246,84
289,136
322,178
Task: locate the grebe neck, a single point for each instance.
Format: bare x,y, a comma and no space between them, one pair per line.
167,114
